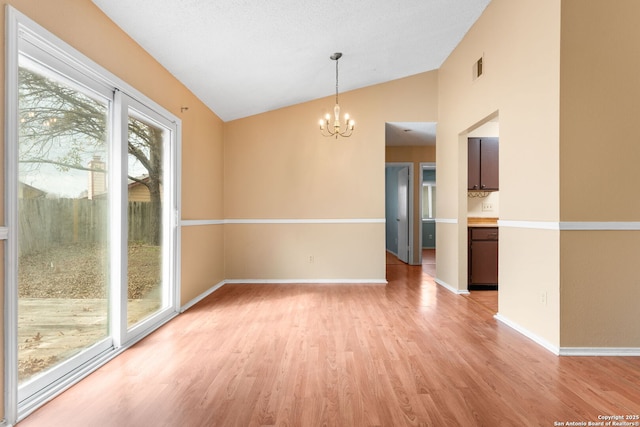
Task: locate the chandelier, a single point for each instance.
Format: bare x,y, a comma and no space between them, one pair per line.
336,128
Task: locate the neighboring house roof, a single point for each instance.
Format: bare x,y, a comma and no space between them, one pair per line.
26,191
143,178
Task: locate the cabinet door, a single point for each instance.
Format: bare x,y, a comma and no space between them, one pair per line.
473,162
484,262
489,155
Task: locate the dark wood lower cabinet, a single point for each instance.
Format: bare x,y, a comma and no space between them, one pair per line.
483,258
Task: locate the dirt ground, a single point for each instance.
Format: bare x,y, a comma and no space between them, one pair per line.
63,298
78,271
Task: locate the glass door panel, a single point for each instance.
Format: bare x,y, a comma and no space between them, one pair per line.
146,279
63,249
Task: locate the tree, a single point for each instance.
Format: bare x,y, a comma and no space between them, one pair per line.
63,127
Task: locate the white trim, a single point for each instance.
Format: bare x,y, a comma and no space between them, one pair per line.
196,222
446,220
202,296
570,351
539,225
573,225
4,233
12,25
118,217
527,333
451,288
307,221
600,225
306,281
599,351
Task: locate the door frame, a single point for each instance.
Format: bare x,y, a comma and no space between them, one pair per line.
402,216
411,216
423,166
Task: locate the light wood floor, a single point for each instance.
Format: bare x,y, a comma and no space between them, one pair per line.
407,353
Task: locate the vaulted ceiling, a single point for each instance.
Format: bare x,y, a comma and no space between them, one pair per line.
245,57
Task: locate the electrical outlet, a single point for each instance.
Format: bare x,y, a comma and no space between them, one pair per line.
543,298
487,206
311,259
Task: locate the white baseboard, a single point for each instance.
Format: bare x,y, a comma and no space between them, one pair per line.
201,297
307,281
570,351
599,351
527,333
451,288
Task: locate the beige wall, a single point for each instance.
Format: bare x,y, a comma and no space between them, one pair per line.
600,292
520,43
599,157
415,155
278,166
562,77
305,252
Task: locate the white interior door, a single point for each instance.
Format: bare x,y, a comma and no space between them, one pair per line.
403,215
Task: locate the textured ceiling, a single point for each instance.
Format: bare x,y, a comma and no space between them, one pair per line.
244,57
410,133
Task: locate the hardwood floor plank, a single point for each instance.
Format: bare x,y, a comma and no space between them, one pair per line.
408,353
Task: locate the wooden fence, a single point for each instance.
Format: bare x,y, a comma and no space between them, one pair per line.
46,223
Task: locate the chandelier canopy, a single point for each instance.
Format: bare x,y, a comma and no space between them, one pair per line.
336,128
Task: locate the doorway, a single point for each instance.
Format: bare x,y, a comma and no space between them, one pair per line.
483,211
407,144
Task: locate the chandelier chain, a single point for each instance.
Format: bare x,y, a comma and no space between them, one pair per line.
337,60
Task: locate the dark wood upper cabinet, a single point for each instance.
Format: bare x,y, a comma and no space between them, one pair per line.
483,164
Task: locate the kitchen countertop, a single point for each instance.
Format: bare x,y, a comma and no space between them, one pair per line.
482,222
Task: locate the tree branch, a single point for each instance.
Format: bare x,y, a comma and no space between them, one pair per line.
65,165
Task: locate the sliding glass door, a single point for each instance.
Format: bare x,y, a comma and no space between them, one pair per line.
92,209
148,238
63,245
